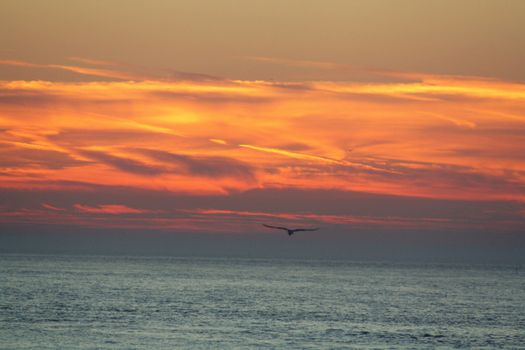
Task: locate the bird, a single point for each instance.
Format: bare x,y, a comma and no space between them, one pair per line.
291,231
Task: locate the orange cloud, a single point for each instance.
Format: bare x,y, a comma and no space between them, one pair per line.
109,209
437,137
106,73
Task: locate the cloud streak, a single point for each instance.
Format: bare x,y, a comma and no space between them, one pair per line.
205,166
112,209
97,72
123,164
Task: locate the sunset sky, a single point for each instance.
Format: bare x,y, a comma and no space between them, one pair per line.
216,116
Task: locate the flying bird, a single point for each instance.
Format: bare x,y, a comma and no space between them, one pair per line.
291,231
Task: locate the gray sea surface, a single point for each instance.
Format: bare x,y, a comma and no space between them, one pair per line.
102,302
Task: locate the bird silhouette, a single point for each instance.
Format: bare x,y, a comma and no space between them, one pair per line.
291,231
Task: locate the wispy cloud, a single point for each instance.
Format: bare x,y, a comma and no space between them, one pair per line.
304,63
98,72
298,218
92,205
122,163
206,166
113,209
419,138
91,61
115,70
51,207
295,155
310,157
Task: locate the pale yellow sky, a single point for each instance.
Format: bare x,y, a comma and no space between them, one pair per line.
473,37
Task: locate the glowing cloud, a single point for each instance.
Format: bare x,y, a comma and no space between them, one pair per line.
109,209
437,137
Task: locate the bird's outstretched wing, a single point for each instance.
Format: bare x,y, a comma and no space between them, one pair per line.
306,229
277,227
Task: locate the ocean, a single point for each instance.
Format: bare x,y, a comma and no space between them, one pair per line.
108,302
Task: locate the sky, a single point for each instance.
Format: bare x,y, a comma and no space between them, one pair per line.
393,126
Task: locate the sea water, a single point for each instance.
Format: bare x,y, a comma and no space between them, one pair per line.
100,302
